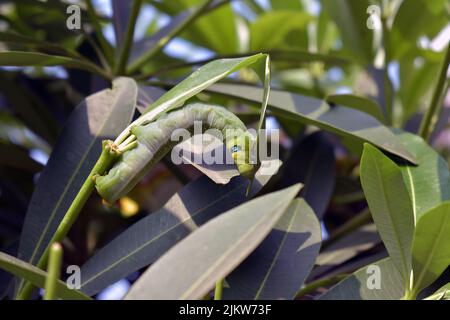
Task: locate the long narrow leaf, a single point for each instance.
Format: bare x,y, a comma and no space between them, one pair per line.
281,263
23,59
146,240
338,119
193,84
100,116
377,281
37,277
192,267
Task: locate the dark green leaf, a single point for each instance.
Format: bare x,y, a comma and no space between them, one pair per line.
121,15
278,29
17,157
351,17
281,263
100,116
356,287
312,163
359,103
346,248
145,241
337,119
190,269
24,59
216,30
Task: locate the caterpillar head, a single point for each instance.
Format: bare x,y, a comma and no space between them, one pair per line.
240,145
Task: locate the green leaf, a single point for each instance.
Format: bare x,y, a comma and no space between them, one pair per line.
326,32
195,83
428,183
17,157
217,30
338,119
390,206
35,59
431,246
313,164
351,17
23,102
408,26
279,29
37,277
146,240
359,103
144,50
199,80
121,15
286,4
100,116
22,40
442,293
345,249
355,287
191,268
416,83
281,263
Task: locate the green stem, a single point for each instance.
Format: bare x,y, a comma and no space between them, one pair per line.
53,271
108,155
98,31
313,286
349,198
409,295
125,52
431,115
142,60
219,289
349,226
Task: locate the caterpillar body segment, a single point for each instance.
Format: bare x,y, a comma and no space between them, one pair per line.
154,142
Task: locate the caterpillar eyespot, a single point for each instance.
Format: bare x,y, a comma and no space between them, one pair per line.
154,142
235,148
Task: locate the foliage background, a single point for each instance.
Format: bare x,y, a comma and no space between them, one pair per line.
321,49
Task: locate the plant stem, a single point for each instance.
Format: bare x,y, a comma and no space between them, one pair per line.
125,52
349,198
349,226
98,31
53,271
108,155
219,289
409,295
142,60
313,286
431,115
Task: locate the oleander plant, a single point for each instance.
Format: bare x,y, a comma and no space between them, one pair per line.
351,98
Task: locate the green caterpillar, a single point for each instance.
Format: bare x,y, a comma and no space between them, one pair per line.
154,142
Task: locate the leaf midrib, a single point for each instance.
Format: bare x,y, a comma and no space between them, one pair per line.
278,252
226,254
